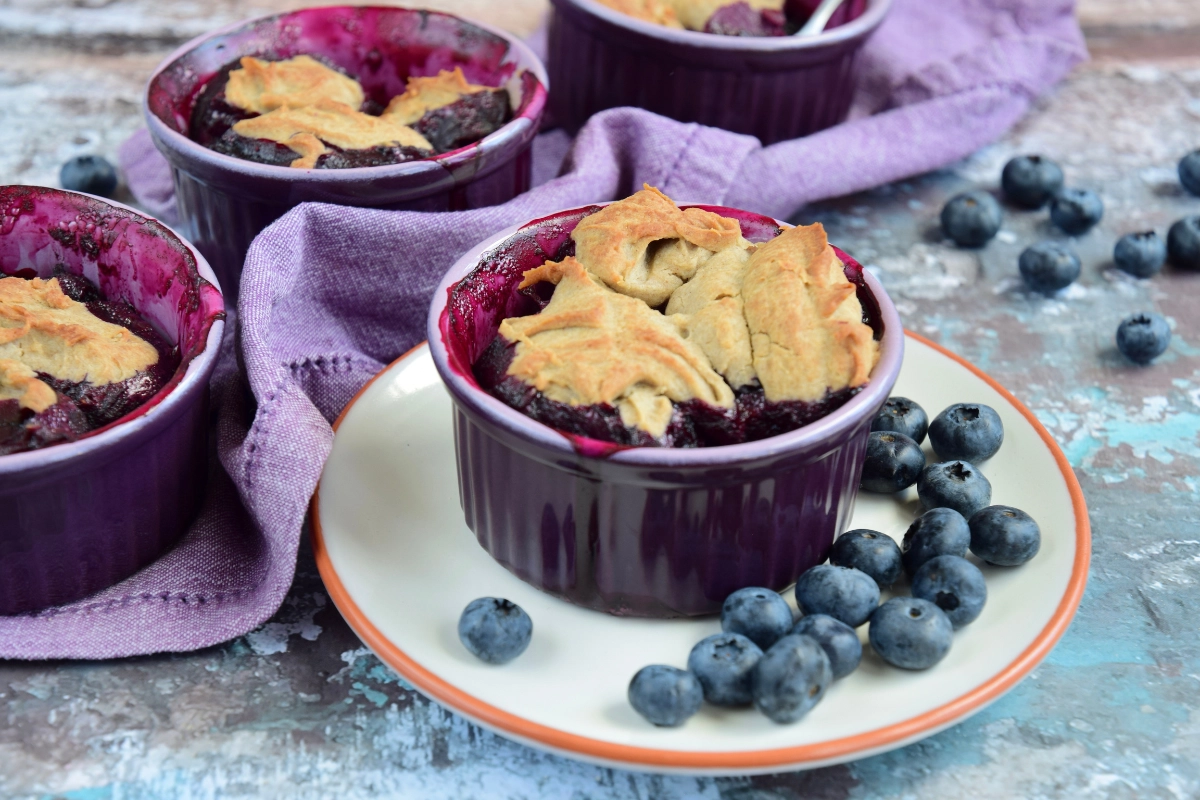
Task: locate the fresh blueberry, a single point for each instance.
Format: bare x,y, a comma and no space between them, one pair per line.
761,615
893,462
1143,337
1005,536
1183,243
1047,267
1141,255
494,629
954,585
954,484
910,632
1189,172
723,663
91,174
837,639
937,532
902,415
665,696
971,219
871,552
966,432
1031,181
1075,211
843,593
791,678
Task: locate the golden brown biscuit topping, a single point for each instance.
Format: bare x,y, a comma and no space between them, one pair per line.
690,14
647,247
328,122
49,332
18,382
263,86
591,345
780,314
422,95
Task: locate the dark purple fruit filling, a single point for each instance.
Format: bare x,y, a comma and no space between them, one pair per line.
83,407
740,19
694,423
448,128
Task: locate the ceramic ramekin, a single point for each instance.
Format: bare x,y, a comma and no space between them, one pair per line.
775,88
644,531
224,202
79,517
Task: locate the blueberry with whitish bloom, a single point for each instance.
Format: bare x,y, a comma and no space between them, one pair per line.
966,432
892,463
1141,255
954,484
761,615
1004,536
901,415
954,585
1076,211
838,640
1143,337
971,219
843,593
1031,181
791,678
872,552
1183,243
723,663
911,633
666,696
1047,267
90,174
1189,172
494,630
937,532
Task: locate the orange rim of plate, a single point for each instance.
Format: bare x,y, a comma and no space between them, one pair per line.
864,743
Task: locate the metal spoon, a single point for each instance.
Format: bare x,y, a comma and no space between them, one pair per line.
820,18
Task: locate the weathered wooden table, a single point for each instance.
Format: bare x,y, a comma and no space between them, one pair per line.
299,709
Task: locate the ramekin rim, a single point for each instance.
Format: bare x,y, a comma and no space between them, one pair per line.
513,422
509,131
195,376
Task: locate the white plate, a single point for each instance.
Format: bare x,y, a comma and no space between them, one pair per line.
401,564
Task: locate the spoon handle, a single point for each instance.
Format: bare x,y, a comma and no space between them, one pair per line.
820,18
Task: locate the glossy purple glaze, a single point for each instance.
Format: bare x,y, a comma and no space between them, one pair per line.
644,531
775,88
81,516
225,202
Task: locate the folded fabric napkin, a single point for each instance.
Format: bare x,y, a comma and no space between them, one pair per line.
330,294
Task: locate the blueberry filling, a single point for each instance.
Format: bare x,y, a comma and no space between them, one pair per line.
694,423
83,407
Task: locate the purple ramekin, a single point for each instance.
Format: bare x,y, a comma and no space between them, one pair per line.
775,88
224,202
644,531
78,517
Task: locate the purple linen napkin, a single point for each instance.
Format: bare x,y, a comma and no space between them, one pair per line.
330,294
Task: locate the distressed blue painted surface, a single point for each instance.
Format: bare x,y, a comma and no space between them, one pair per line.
299,709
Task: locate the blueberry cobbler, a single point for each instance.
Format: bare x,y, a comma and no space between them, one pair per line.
304,114
71,361
741,18
666,327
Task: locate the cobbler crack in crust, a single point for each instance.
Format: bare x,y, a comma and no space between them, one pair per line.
779,318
